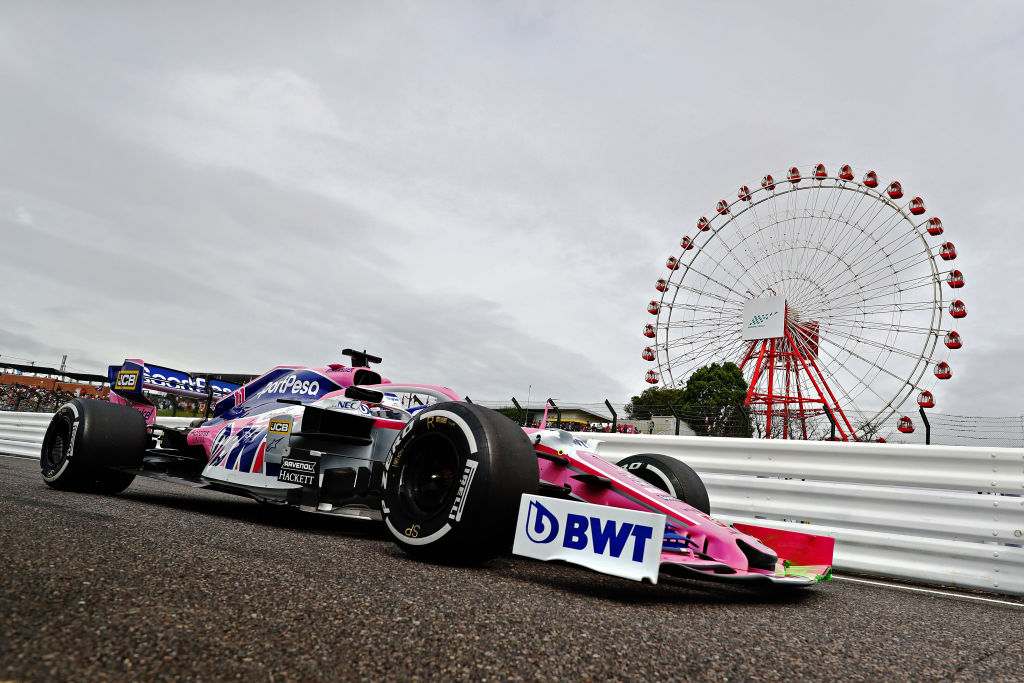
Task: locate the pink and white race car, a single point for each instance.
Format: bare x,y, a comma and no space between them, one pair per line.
452,481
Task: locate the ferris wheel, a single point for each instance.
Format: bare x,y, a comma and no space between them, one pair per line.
834,294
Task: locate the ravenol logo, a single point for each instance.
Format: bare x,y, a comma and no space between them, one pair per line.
127,380
602,537
759,321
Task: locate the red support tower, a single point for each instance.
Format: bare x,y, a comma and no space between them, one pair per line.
782,365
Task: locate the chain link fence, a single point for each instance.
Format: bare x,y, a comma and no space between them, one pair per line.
946,429
734,421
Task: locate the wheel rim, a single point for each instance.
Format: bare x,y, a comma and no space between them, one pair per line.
55,455
429,479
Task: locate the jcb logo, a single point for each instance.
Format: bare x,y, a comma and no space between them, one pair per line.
127,379
279,427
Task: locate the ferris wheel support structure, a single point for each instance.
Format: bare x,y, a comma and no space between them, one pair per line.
786,352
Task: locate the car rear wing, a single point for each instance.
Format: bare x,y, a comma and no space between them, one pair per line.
129,380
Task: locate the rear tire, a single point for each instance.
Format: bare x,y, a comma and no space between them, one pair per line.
670,475
85,443
453,481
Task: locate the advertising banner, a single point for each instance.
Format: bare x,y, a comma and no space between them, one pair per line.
764,318
625,543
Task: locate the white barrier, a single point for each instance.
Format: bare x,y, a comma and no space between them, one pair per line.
22,433
995,470
946,515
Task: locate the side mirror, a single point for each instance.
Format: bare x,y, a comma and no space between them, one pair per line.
361,394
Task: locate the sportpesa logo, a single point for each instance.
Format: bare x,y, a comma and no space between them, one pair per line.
759,321
292,384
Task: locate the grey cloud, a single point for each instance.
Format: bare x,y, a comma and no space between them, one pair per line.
482,194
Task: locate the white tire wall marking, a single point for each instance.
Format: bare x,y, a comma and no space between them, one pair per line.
417,541
70,446
463,425
668,484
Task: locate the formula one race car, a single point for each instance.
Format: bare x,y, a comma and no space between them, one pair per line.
452,481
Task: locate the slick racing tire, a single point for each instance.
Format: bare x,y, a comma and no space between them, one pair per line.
87,440
452,483
670,475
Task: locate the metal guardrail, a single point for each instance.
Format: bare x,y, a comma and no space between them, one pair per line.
946,515
22,433
957,468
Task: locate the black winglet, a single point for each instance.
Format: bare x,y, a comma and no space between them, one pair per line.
360,359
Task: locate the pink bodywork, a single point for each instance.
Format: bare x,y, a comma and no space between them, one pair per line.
713,538
337,373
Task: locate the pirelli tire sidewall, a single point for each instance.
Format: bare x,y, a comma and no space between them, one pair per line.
492,465
87,440
670,475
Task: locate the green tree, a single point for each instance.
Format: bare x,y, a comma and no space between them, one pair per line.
653,400
716,385
512,413
712,403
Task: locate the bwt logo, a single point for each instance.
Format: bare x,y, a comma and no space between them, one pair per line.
760,320
542,527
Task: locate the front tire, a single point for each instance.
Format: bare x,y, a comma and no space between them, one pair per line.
670,475
453,481
87,440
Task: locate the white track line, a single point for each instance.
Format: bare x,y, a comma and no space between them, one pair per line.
900,586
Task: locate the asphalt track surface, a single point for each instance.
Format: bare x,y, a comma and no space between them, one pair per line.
165,583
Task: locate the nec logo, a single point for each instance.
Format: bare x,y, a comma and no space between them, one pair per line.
602,537
127,379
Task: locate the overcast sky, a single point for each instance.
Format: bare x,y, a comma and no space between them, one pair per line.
483,193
